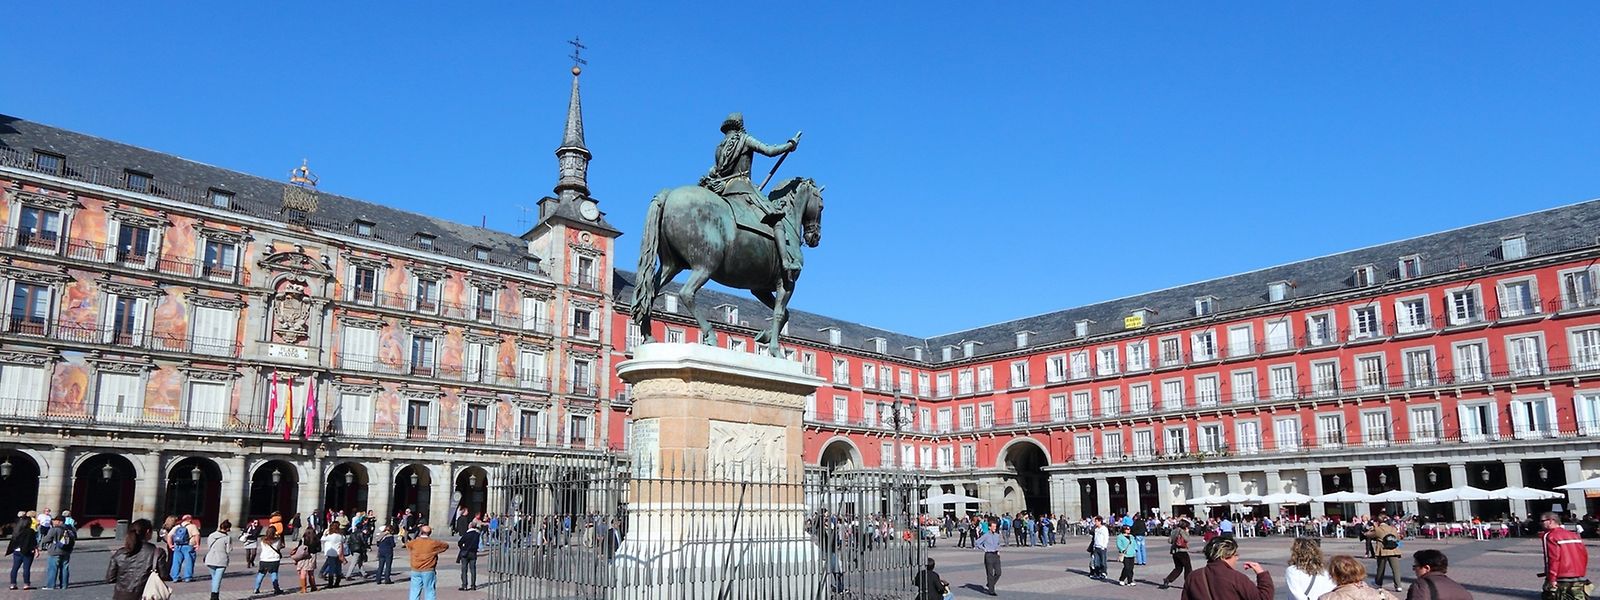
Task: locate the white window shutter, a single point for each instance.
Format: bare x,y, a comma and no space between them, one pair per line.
433,419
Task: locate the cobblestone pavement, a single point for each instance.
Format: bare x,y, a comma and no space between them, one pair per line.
1489,569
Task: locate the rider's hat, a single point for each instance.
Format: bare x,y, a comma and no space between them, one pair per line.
734,121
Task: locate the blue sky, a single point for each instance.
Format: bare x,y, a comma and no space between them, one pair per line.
984,161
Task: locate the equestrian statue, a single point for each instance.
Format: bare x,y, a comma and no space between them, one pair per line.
726,230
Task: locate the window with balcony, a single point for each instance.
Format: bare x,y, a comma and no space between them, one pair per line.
427,296
133,246
1370,373
1139,397
582,377
969,456
1203,345
483,303
353,417
1465,307
811,407
126,321
1325,378
207,406
589,281
1424,421
1171,352
22,389
1019,374
1586,402
869,375
944,420
422,356
476,422
1212,438
578,430
1111,443
480,359
1282,382
966,414
1471,362
944,385
1247,437
1518,299
1110,402
1021,412
39,229
530,426
1172,394
1058,408
1478,423
1207,390
1144,443
220,260
736,344
923,389
1330,431
364,288
1106,361
1081,409
1055,369
1319,329
214,330
841,409
1366,322
1138,356
1243,385
583,324
1585,349
1413,315
1279,337
1241,341
1578,289
1286,433
1526,355
360,349
985,379
841,372
871,416
946,458
986,415
1080,364
1176,442
119,398
1083,448
1419,366
419,414
964,382
1375,428
531,370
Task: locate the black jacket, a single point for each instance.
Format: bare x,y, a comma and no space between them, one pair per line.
929,586
127,573
23,540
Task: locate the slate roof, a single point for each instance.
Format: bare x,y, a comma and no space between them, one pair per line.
98,160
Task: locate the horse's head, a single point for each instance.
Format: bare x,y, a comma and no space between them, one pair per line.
811,214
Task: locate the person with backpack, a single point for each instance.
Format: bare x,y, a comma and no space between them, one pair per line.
23,548
178,540
386,541
1386,547
58,544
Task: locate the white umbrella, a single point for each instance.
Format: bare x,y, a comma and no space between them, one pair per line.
1238,498
1285,498
1465,492
1525,493
1587,484
1396,496
1203,500
1344,497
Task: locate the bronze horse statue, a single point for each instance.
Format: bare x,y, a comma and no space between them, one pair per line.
693,228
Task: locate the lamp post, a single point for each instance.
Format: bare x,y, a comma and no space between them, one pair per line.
5,469
195,476
277,478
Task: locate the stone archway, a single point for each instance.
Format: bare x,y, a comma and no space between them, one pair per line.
472,491
194,487
839,454
412,485
346,488
103,491
272,489
19,489
1025,461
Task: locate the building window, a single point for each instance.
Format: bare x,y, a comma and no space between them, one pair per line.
1478,423
1578,289
1526,355
22,390
1106,361
221,259
1172,394
1058,408
1020,411
1518,298
1080,364
1279,337
1424,424
360,349
213,331
1212,439
45,162
1138,356
730,314
985,379
136,181
578,430
529,426
1055,369
1375,428
477,422
364,289
1139,397
480,253
418,416
944,385
944,420
1369,372
1171,352
1410,267
969,456
1514,247
1244,386
583,324
1080,406
1585,350
1110,402
1083,448
736,344
427,296
531,374
986,415
583,377
425,241
483,303
126,321
811,407
1286,433
1464,307
1112,445
1019,374
1247,437
1330,431
1471,362
1203,345
1419,366
1319,329
1588,406
1081,328
364,228
966,413
1278,291
964,382
1206,390
841,409
869,375
587,280
1366,275
480,359
1282,382
536,314
1325,378
39,229
1176,442
422,355
133,246
1204,306
1413,315
119,398
1241,341
1144,443
923,389
1366,322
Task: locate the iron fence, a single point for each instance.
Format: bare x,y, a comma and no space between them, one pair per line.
592,528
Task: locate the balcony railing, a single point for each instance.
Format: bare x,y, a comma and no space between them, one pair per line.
93,333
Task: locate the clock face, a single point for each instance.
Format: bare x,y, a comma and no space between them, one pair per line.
589,210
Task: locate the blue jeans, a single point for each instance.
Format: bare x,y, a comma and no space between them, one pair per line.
183,563
24,561
423,585
260,576
216,578
56,571
1138,549
1097,562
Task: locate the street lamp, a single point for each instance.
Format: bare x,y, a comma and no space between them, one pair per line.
106,472
472,480
1336,481
5,469
1433,476
1383,479
195,475
1543,473
1484,474
414,478
277,477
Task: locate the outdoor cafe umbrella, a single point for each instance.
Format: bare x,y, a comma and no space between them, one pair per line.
1465,492
1344,497
1285,498
1396,496
1203,500
1525,493
1238,498
1587,484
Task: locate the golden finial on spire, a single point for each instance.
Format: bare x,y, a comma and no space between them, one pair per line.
302,175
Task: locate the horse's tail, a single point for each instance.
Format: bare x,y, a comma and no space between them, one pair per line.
644,290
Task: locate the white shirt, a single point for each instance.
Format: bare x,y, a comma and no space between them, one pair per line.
1102,537
333,545
1298,581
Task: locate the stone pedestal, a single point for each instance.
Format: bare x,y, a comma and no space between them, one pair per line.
717,500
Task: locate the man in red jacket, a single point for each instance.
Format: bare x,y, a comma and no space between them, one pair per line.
1565,561
1218,580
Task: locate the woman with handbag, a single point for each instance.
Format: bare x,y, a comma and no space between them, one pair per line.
271,553
139,569
1178,545
250,537
333,551
218,545
304,558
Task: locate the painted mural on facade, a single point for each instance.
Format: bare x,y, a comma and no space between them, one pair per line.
387,415
178,241
172,318
69,386
78,302
391,345
453,292
163,394
396,284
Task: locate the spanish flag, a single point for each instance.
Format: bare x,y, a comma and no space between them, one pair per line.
288,413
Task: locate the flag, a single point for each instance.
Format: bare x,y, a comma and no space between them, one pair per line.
272,404
311,407
288,413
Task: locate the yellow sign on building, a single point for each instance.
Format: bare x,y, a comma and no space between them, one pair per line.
1133,321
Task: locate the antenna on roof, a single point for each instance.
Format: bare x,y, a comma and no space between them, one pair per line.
523,223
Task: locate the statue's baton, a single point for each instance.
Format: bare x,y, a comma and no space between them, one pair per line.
775,166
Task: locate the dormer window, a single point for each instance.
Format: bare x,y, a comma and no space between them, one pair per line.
835,336
364,228
916,353
947,353
1081,328
730,314
425,241
968,349
138,182
1513,247
1022,339
880,345
531,264
1205,305
480,253
1410,267
1278,291
671,303
45,162
221,199
1366,275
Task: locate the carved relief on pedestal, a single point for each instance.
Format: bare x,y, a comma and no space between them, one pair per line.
747,447
291,315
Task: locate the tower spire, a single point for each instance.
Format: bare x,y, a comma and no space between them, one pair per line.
573,156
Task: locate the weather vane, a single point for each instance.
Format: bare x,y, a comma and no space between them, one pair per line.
577,54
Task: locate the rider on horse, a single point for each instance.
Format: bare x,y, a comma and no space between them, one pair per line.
730,178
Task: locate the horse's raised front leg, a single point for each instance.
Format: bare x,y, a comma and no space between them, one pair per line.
697,279
780,316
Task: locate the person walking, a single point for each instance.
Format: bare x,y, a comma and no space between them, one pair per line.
386,541
1127,554
1350,579
467,556
1566,562
1386,546
425,553
183,550
357,542
58,545
929,585
1099,542
251,537
23,548
1178,546
989,544
133,564
1305,576
1432,584
334,553
304,558
1141,528
1219,581
218,546
270,554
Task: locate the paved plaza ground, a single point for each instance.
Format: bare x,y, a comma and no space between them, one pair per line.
1490,569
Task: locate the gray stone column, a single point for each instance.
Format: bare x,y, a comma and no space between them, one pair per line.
54,488
1164,494
1519,508
1131,488
1235,486
380,489
232,502
312,484
1314,489
1458,478
1408,482
1577,505
440,509
147,490
1102,496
